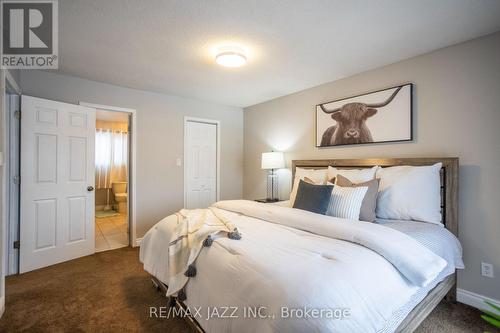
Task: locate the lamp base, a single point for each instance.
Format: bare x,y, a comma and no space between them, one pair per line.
272,186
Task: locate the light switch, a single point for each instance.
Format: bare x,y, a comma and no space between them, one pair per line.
178,162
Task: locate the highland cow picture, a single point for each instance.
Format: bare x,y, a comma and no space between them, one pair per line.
381,116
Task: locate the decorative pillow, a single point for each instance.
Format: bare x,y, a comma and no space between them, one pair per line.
314,198
369,203
410,193
354,175
318,176
346,202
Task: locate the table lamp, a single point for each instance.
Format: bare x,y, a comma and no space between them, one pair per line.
272,161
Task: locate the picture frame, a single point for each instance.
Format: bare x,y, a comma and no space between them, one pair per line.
380,116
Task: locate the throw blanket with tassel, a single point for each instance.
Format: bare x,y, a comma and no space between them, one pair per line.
195,229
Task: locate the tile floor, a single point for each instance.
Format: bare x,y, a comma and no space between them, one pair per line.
111,232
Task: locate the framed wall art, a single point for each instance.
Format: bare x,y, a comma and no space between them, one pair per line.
380,116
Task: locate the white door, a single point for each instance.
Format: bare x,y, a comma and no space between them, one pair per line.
200,163
57,179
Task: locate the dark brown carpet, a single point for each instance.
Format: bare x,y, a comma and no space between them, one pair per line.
109,292
104,292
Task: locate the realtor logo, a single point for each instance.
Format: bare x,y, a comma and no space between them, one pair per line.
29,38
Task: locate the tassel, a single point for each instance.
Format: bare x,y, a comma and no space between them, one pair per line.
181,295
208,241
234,234
191,271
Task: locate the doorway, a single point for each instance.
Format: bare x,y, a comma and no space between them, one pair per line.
131,166
201,162
111,180
57,194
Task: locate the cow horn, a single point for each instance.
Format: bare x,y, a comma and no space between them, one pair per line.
379,105
328,111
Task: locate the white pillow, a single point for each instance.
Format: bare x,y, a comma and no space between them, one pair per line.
345,202
410,193
354,175
318,176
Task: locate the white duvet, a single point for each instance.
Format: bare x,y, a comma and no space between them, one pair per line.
291,261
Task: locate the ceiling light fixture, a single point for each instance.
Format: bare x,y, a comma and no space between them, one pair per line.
231,56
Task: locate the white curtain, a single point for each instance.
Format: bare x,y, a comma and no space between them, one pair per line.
111,152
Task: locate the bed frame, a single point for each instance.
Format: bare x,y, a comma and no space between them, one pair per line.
449,208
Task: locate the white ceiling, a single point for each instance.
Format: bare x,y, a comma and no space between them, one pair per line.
166,46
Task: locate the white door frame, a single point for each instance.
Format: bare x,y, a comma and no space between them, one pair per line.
10,230
204,121
13,189
132,188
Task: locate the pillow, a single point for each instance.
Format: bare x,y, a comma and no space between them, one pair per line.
410,193
318,176
369,203
310,181
345,202
314,198
354,175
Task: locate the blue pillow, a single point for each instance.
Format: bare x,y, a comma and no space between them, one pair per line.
313,198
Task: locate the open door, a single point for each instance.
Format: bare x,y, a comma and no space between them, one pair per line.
57,182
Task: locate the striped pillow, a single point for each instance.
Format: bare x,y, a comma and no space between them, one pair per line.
346,202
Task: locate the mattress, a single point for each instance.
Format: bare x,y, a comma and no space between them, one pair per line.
435,238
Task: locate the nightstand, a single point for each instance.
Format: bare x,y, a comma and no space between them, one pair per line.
268,201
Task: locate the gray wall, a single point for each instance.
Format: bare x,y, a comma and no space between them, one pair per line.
16,75
160,140
457,113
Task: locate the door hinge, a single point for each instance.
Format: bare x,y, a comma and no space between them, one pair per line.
17,114
17,244
17,180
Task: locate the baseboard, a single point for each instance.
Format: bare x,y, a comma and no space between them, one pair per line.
138,241
475,300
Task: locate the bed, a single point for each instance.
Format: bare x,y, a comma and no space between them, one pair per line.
238,274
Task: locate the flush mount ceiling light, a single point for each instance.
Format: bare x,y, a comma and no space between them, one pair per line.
231,56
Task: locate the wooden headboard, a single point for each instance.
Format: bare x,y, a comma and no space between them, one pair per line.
449,178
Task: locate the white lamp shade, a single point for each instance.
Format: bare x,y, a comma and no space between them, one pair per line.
273,160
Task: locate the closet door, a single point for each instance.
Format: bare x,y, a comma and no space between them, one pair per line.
200,159
57,182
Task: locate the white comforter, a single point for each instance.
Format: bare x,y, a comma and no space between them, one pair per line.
292,259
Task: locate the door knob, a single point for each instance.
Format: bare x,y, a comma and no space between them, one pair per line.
90,188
